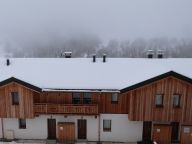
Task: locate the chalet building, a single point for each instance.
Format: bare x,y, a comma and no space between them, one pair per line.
96,99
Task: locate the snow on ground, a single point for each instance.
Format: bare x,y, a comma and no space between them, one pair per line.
13,142
25,142
8,143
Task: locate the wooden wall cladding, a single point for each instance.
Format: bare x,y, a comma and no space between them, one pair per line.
102,99
106,106
142,102
25,107
60,98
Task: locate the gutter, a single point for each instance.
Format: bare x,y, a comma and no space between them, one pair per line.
99,130
80,90
99,123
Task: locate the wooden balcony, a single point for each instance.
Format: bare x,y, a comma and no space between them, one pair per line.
40,108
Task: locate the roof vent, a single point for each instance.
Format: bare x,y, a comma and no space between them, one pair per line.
8,62
67,54
150,54
104,58
94,58
160,54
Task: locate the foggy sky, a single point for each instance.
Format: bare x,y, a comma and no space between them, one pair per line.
22,20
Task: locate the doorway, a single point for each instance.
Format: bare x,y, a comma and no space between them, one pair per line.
162,134
186,135
51,125
82,128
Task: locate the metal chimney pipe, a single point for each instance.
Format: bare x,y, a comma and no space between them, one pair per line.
159,54
104,58
8,62
94,58
68,54
150,54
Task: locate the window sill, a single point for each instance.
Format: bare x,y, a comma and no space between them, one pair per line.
177,107
15,104
107,130
159,106
87,103
22,128
114,102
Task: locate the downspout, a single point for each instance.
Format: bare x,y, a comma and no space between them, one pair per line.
2,128
99,121
99,135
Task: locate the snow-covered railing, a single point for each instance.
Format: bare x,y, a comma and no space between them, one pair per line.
41,108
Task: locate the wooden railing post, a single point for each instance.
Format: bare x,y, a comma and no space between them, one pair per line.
46,108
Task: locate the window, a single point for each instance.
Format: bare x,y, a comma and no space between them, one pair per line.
106,125
22,123
87,98
176,100
159,100
76,98
114,98
15,98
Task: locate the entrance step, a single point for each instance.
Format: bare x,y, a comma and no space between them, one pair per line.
51,142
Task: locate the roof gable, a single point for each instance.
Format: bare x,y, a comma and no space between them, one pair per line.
165,75
13,79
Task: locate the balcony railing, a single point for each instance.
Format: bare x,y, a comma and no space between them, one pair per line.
91,109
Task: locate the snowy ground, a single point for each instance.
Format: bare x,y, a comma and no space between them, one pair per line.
45,143
20,142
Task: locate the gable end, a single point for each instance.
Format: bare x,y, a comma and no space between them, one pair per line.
12,79
143,83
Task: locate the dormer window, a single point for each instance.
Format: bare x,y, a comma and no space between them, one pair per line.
15,98
176,100
159,100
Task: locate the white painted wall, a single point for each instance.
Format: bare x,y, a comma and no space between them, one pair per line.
37,128
122,129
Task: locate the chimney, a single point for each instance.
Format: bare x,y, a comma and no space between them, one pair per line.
94,58
104,58
150,53
68,54
159,54
8,62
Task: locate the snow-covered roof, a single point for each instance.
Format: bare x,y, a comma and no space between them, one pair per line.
82,73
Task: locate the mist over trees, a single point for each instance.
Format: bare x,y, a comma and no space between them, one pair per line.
87,45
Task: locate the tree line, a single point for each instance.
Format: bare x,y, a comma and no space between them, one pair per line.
86,46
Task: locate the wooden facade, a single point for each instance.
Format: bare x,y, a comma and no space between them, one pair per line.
100,103
106,105
139,103
32,103
25,107
142,102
